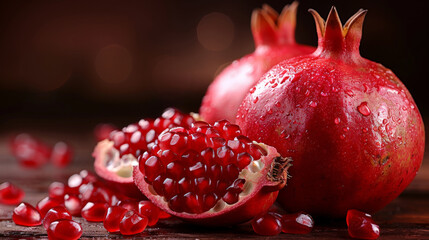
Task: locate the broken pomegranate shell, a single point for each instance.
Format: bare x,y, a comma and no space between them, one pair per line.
211,174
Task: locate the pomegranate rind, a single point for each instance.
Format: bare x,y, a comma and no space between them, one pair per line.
123,185
257,200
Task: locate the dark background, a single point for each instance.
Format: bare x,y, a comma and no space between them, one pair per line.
72,64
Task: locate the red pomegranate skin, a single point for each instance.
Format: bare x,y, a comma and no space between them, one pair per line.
273,45
350,125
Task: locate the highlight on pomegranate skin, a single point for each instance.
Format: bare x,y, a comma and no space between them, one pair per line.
274,36
349,124
211,174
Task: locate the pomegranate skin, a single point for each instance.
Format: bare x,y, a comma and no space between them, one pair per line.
351,126
273,45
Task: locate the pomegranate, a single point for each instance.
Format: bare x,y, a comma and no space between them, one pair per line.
116,156
274,37
211,174
64,229
10,194
351,126
361,225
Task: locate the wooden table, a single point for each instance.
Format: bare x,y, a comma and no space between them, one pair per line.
407,217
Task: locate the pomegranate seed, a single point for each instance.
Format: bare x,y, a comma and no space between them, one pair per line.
57,190
29,151
152,168
88,177
297,223
93,192
10,194
73,184
128,204
73,204
267,224
61,154
26,215
94,212
361,225
102,131
56,213
44,205
132,223
64,229
113,218
148,209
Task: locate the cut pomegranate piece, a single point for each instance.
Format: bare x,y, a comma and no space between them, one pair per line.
61,154
297,223
10,194
267,224
208,186
361,225
56,213
26,215
102,131
29,151
44,205
114,215
94,212
73,204
149,210
132,223
57,190
116,156
65,230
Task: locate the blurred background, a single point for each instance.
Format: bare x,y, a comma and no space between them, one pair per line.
69,65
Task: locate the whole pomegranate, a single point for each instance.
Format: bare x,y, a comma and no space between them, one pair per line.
275,41
350,125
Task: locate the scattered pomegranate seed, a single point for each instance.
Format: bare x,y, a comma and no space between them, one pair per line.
132,223
64,229
94,212
148,209
268,224
26,215
29,151
61,154
361,225
57,190
297,223
129,204
56,213
73,204
44,205
114,215
102,131
96,192
10,194
73,184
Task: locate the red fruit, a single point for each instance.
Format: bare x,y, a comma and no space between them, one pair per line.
274,37
73,204
56,213
64,230
57,190
10,194
350,125
132,223
26,215
267,224
29,151
113,218
44,205
297,223
61,154
94,212
360,225
116,156
148,209
208,186
102,131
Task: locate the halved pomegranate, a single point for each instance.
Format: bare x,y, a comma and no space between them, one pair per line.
211,174
116,156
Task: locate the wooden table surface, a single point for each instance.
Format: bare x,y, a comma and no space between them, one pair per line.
407,217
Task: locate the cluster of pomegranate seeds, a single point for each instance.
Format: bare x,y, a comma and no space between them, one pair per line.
139,137
194,168
26,215
64,229
10,194
361,225
272,223
33,153
55,213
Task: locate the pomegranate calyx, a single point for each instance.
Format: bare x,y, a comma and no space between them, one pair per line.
337,40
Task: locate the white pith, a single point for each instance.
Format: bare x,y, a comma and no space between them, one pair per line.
122,167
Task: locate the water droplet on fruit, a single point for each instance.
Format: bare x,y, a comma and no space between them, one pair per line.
384,121
342,136
350,93
365,130
277,104
307,92
323,94
270,111
252,90
274,85
255,100
346,129
262,117
334,89
364,109
337,120
313,104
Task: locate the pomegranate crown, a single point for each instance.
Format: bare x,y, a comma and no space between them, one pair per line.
336,40
270,28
